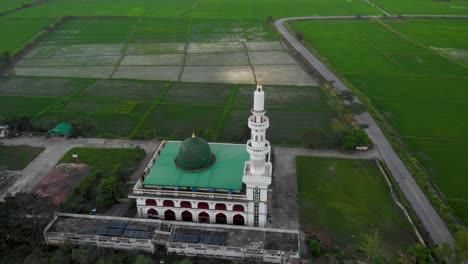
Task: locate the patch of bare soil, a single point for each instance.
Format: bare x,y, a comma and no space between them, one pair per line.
61,180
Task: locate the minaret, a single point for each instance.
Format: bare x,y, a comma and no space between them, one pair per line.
257,171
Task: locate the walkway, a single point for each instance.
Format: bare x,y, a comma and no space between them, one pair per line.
436,228
54,151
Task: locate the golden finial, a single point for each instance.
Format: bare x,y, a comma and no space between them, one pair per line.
259,83
193,134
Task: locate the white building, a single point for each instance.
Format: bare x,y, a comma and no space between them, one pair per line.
202,182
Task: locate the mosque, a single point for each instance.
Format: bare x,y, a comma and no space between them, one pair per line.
201,182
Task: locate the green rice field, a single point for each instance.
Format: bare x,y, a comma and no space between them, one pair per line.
18,32
415,72
340,214
204,9
149,109
7,5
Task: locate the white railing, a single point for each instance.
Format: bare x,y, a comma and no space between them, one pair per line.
263,125
265,149
191,194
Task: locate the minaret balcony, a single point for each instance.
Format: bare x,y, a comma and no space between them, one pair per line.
259,125
258,150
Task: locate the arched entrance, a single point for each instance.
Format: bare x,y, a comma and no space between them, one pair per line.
152,213
151,202
204,218
187,216
169,215
238,208
238,220
221,218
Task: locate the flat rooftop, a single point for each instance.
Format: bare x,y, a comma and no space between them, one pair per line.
225,174
180,232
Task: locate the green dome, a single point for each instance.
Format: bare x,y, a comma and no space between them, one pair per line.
194,155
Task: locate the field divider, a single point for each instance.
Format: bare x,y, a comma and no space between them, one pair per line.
153,107
125,48
248,59
179,78
227,110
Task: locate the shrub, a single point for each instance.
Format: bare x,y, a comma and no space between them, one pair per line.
354,137
316,248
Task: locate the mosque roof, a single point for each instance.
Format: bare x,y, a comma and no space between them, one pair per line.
226,173
194,155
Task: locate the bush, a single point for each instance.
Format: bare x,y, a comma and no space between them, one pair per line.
299,36
354,137
316,248
209,135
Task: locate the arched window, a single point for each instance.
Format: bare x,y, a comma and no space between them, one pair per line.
238,208
204,217
221,218
238,220
169,215
152,213
187,216
151,202
220,206
168,203
185,204
203,206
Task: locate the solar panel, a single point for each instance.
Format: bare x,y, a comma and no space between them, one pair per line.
91,231
213,240
109,232
136,234
119,225
183,237
138,227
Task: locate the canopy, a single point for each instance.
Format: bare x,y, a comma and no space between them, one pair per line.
62,129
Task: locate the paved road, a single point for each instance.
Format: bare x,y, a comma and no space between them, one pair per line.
436,228
55,149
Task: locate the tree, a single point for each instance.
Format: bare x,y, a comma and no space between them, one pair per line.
370,244
4,58
354,137
23,217
299,36
461,246
141,259
420,253
316,248
444,252
209,135
108,191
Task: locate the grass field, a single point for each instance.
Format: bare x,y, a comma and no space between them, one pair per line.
104,163
340,213
17,157
417,79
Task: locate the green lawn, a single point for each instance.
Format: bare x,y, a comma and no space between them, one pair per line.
17,157
341,199
417,78
104,163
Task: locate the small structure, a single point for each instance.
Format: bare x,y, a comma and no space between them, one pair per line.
4,131
61,130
